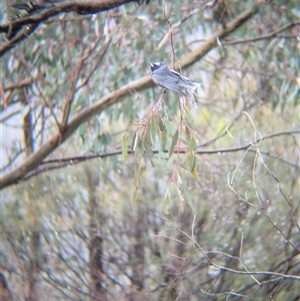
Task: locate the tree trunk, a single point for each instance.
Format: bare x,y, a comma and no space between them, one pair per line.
97,289
33,271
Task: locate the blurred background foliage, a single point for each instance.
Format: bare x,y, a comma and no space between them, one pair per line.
146,225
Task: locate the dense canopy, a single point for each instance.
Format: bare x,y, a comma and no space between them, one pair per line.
113,188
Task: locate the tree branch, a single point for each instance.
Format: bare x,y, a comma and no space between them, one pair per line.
70,95
63,162
107,101
263,37
22,27
22,34
210,43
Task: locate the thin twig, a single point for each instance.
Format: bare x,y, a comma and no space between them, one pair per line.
63,162
263,37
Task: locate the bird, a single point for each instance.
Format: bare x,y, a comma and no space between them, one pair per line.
170,79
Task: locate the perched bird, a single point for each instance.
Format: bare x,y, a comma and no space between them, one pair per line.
168,78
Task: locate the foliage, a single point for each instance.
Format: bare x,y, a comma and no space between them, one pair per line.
171,202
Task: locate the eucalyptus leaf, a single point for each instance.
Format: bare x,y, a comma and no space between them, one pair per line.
124,147
187,195
166,205
173,143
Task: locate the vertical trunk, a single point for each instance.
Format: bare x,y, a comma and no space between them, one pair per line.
33,294
138,251
97,289
27,125
96,269
138,257
33,269
172,271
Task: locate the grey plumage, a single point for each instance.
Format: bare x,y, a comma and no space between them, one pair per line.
168,78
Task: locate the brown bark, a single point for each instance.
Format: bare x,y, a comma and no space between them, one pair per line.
138,251
27,126
97,288
33,270
138,258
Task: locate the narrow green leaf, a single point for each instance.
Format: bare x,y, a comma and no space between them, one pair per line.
179,193
148,144
173,144
164,136
98,145
96,130
147,139
189,119
188,134
187,195
115,163
124,147
138,173
191,160
169,127
190,154
139,151
166,205
166,202
192,145
161,125
148,151
174,191
153,129
105,139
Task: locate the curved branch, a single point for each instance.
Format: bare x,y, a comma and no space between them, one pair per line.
22,34
21,28
145,82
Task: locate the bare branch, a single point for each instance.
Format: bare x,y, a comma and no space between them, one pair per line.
264,37
63,162
210,42
174,27
20,28
100,56
9,115
221,267
70,95
22,34
21,84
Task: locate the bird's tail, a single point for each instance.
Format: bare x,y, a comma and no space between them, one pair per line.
195,86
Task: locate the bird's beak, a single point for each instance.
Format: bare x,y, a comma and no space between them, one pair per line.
151,65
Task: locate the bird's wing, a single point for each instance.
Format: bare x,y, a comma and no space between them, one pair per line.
187,83
166,81
183,81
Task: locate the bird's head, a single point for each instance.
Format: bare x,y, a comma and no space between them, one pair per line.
155,66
